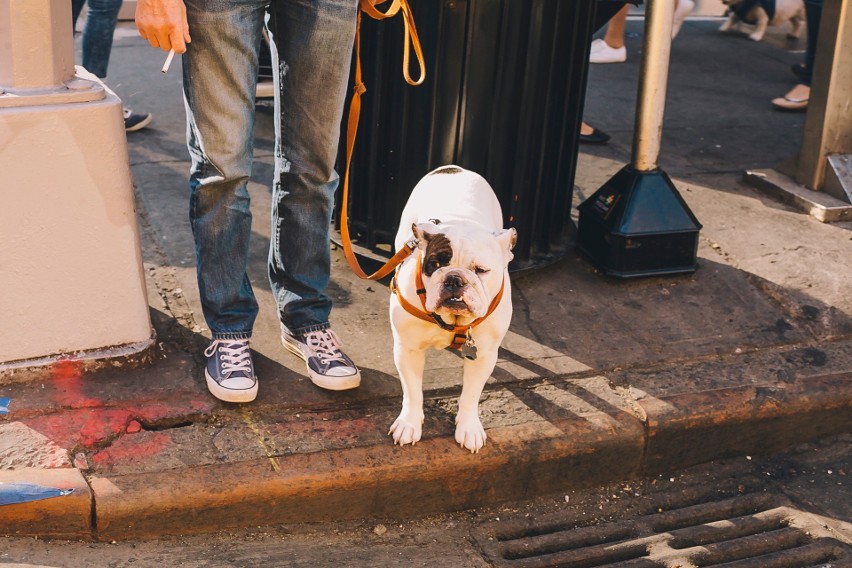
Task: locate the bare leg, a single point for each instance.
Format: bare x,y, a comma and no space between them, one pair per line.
682,10
614,36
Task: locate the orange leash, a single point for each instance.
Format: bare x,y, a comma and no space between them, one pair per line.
411,41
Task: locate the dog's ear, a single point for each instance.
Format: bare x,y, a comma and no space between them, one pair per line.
507,238
424,231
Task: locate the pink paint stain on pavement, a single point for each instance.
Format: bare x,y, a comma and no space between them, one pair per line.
132,449
81,427
67,376
91,427
84,422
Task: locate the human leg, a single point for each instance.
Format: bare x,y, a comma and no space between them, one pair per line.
76,8
313,44
312,48
97,35
97,47
614,36
682,10
220,73
797,98
611,49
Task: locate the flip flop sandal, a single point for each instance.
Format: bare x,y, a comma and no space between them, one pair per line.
786,103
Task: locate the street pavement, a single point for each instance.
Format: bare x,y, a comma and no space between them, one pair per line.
599,380
800,500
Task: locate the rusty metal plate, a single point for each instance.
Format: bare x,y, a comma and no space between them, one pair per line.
742,525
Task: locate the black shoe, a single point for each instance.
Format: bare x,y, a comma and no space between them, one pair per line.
596,137
135,121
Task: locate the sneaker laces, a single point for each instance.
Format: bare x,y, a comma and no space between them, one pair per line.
326,345
235,355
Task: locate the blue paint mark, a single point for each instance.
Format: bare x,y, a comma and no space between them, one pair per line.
11,493
4,405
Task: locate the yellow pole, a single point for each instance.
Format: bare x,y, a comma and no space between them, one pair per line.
651,104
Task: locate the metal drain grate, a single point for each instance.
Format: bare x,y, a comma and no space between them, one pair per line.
748,531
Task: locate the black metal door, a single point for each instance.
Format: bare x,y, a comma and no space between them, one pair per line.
504,96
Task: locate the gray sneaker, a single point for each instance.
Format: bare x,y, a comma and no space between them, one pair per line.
328,366
230,372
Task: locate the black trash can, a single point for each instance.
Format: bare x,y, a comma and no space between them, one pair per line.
503,97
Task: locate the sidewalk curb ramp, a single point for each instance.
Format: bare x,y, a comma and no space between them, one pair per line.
383,480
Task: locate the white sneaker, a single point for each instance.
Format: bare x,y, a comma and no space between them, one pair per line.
230,371
328,366
601,52
684,7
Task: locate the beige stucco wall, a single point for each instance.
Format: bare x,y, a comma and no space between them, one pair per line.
71,271
29,57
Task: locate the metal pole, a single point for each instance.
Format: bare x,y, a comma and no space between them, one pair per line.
651,104
637,224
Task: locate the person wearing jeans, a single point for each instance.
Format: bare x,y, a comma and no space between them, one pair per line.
311,47
97,46
611,49
797,98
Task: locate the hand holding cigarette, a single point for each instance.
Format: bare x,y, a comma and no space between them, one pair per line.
168,62
164,24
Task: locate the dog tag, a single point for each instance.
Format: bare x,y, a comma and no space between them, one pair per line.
468,350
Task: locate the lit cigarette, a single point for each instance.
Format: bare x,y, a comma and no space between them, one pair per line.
168,62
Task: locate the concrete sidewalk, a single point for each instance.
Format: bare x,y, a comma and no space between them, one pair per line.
598,379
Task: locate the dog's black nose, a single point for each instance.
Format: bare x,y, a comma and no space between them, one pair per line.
453,282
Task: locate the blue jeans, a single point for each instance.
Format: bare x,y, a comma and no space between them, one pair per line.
97,35
312,50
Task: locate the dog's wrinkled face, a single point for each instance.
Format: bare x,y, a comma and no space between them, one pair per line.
463,266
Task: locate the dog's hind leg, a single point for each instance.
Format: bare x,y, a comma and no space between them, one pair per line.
760,27
797,22
729,23
408,427
469,431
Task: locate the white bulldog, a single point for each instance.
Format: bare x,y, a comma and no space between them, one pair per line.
460,268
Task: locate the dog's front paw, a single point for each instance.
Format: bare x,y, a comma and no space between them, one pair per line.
470,434
755,36
726,25
406,429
